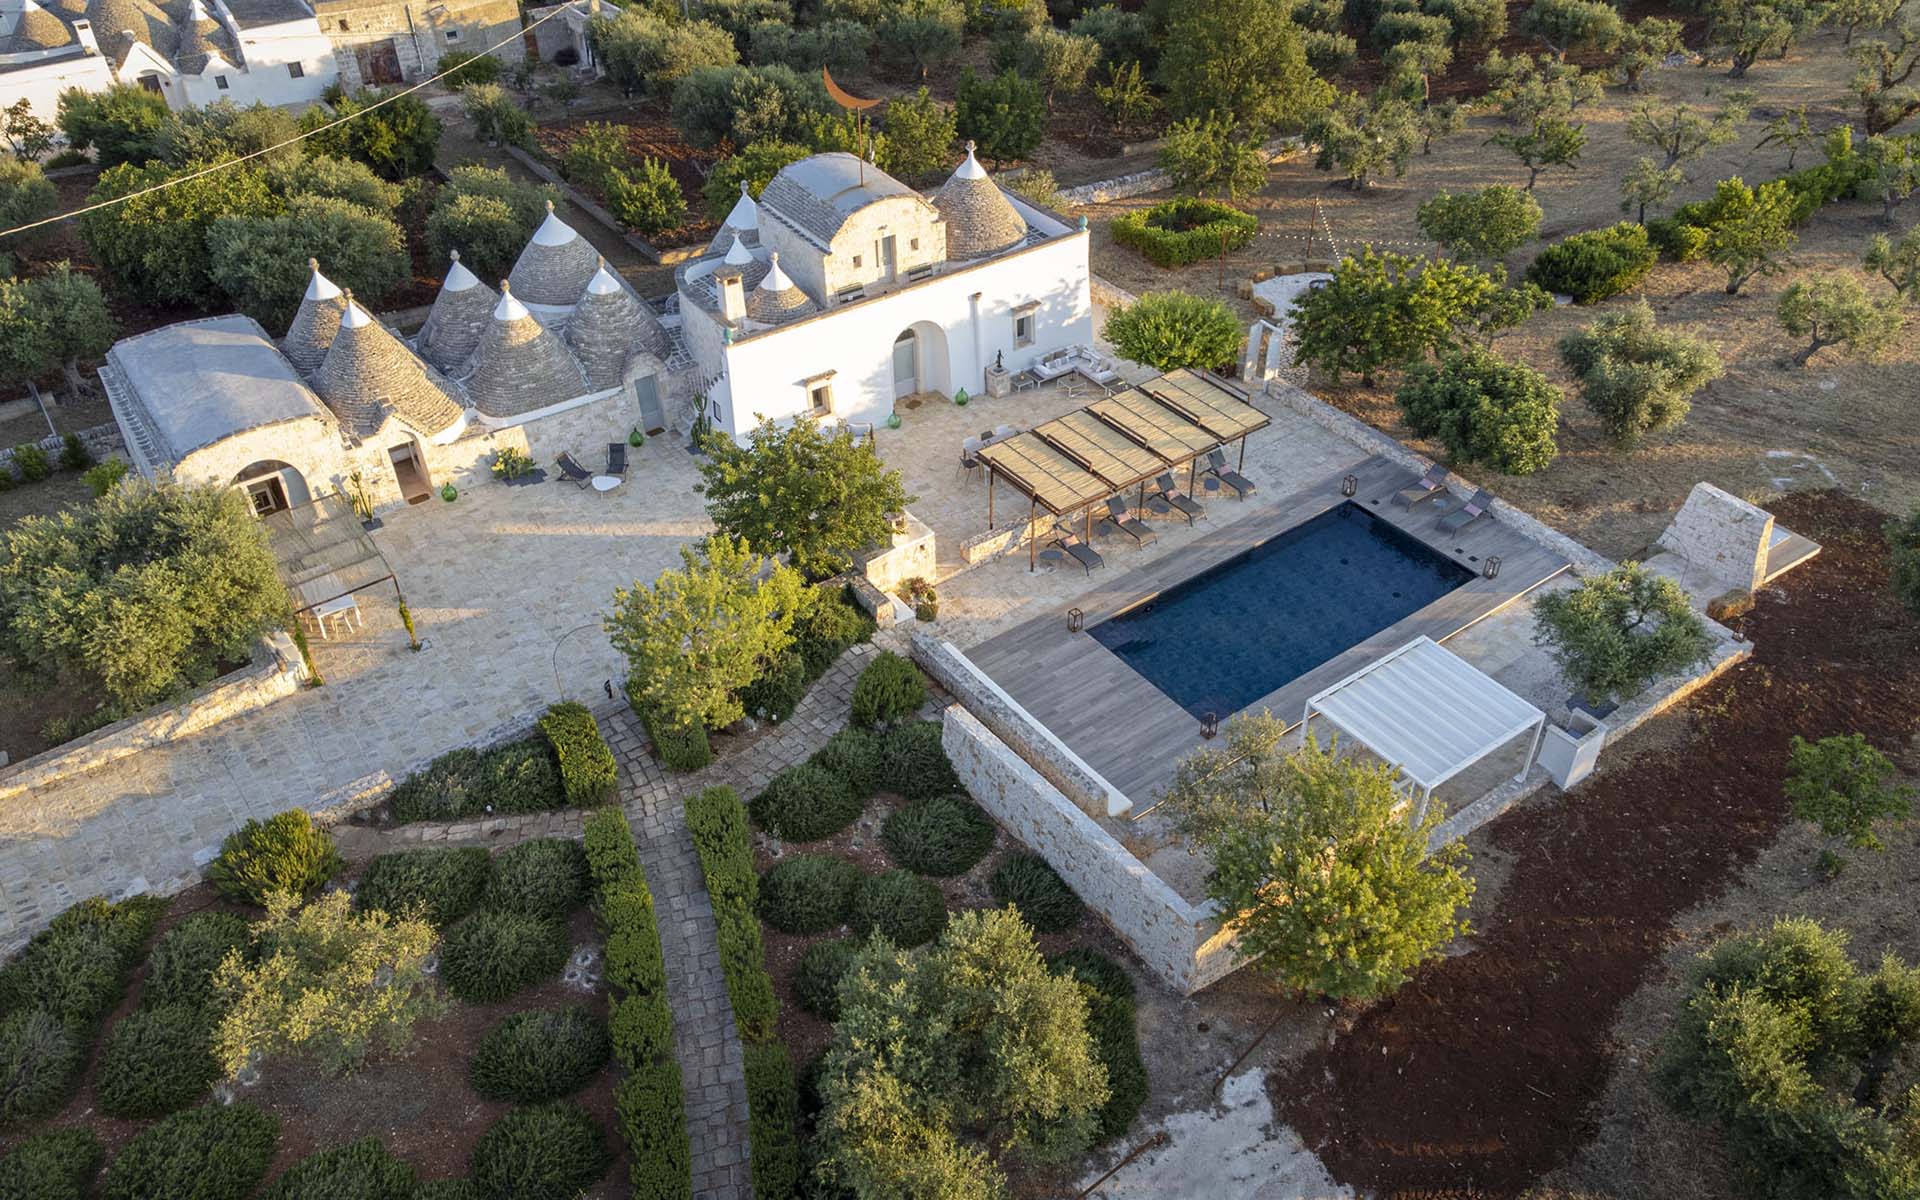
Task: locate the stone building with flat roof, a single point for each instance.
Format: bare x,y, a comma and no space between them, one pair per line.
378,42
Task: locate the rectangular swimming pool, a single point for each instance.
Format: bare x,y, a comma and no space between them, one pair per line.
1219,641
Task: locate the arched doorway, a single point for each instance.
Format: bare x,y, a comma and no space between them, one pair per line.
920,360
272,486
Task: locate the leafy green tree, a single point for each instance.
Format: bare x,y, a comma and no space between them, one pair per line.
487,216
26,343
1126,38
27,136
970,1038
1169,330
1484,409
1882,81
1889,167
1126,97
1207,156
1792,1050
920,135
646,52
73,314
1059,62
1477,24
26,196
1410,68
754,166
814,495
1903,546
1616,633
1681,133
1751,231
1036,184
844,46
746,104
597,150
1843,785
226,129
1387,311
1329,54
1527,90
1243,59
1834,309
923,34
496,117
1645,44
1328,886
1550,142
1851,16
140,595
1568,26
1363,139
155,245
1483,225
261,262
647,198
1005,115
1636,377
1440,120
340,178
1790,129
695,637
120,125
1897,262
397,139
1509,308
1648,183
739,17
1740,31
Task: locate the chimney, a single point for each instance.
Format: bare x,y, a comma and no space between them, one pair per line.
733,294
83,30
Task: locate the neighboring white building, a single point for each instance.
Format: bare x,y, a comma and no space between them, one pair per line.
192,52
844,290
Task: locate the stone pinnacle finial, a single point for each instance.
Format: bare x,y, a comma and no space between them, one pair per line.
454,255
743,187
346,295
549,206
969,146
504,289
313,264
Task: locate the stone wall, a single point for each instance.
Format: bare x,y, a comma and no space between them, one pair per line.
1181,944
1139,183
910,557
275,672
1722,534
101,442
1109,295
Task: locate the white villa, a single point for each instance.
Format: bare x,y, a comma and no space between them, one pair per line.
841,291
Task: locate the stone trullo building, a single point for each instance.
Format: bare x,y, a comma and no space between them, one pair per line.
839,292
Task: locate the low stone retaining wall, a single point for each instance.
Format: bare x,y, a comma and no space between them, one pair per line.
1110,295
592,208
100,441
275,673
1139,183
1180,943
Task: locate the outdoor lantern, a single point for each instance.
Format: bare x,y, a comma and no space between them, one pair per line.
1491,568
1349,486
1210,725
1076,620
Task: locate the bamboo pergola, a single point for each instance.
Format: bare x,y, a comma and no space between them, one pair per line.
1047,477
1209,404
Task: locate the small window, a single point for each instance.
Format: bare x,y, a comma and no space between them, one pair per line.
820,400
1023,330
295,70
856,260
220,81
453,35
913,243
343,25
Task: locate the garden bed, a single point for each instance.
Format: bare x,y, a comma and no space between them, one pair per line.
649,135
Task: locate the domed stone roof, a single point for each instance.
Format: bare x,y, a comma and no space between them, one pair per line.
314,324
554,268
368,373
459,316
979,217
519,365
37,29
608,326
778,299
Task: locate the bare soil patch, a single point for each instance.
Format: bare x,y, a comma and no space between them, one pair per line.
1482,1074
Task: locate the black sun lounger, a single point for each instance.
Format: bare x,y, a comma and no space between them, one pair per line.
1186,506
1085,555
1217,467
1430,486
1467,513
617,459
1120,518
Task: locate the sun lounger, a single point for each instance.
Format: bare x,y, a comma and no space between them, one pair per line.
1430,486
1171,496
1120,520
617,459
1217,467
572,471
1467,513
1085,555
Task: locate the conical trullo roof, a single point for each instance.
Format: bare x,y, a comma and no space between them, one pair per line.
742,223
315,323
752,270
201,37
554,268
459,316
519,366
368,372
979,217
778,299
607,326
36,29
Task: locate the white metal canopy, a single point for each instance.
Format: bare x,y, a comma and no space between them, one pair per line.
1429,712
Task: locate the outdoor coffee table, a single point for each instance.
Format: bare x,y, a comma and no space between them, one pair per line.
606,483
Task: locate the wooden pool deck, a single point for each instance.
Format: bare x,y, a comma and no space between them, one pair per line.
1133,733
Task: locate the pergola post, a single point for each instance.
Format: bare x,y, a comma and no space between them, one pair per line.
1032,536
1243,453
989,497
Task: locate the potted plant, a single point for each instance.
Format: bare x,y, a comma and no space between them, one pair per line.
362,502
512,465
920,594
449,493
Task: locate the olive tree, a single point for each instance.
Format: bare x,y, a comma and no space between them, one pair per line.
1208,156
1681,133
1566,26
1645,44
1834,309
1243,59
1896,262
1751,230
1483,225
646,52
487,216
1363,138
1552,141
1169,330
1615,633
261,262
1636,377
55,319
1648,183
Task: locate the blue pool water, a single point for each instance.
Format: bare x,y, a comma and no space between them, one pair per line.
1251,625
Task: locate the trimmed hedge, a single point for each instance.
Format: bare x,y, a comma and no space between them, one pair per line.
829,628
493,954
683,751
810,893
889,689
1595,265
913,763
214,1152
718,823
1031,885
546,1152
52,1166
901,907
816,983
805,803
285,853
362,1170
941,835
444,883
1179,232
1094,969
181,965
158,1060
518,777
652,1118
852,755
40,1056
587,769
545,878
540,1055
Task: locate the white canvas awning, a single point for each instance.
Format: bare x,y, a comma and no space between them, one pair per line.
1429,712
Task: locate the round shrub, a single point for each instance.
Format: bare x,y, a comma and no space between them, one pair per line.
808,894
816,984
852,755
493,954
214,1152
942,835
1484,409
52,1166
158,1060
540,1055
1029,884
778,690
1597,264
39,1056
181,965
444,882
283,853
1094,969
519,777
362,1170
551,1152
805,803
900,906
914,764
888,689
544,878
462,69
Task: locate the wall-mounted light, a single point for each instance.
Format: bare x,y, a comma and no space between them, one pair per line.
1076,620
1349,485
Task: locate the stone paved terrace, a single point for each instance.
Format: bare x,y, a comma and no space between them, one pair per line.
506,587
